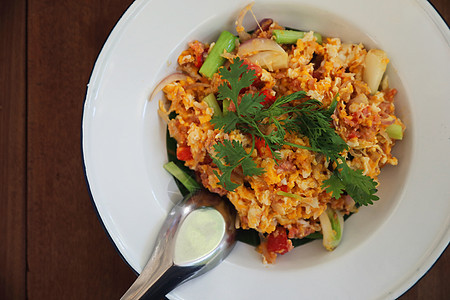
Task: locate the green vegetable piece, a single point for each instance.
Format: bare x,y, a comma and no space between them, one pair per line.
291,36
212,102
285,194
225,42
225,105
184,178
395,131
332,223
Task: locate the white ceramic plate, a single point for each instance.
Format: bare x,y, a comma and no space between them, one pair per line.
386,247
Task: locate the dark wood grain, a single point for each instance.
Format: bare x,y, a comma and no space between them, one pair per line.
52,245
12,149
69,254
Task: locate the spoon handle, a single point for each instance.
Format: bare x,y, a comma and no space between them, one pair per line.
159,266
159,285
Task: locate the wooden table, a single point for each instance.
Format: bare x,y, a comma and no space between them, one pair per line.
52,246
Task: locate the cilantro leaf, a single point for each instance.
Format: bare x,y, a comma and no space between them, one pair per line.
234,155
238,78
360,187
250,105
230,151
334,185
225,178
226,122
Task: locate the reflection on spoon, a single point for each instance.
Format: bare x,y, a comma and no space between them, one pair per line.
201,233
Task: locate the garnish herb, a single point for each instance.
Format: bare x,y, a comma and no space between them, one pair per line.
308,118
360,187
234,155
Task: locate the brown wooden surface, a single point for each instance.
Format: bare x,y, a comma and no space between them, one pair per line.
12,149
52,246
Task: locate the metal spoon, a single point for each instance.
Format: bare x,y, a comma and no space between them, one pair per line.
196,236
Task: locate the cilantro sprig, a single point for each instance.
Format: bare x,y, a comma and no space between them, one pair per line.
234,155
309,119
360,187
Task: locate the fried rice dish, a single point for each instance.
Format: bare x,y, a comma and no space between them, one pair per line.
272,158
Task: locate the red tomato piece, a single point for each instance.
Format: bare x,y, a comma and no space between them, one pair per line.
284,188
199,60
269,98
252,66
184,153
199,49
389,96
278,242
262,148
351,135
258,72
